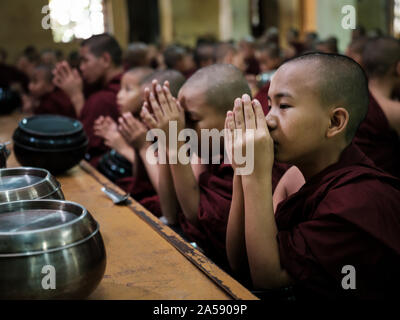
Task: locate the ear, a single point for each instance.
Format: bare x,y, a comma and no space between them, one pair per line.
106,58
339,118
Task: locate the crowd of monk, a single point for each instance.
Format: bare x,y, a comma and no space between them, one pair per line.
324,195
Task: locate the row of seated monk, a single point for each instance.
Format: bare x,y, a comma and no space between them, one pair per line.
318,213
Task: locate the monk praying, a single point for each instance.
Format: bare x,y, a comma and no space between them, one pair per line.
101,65
200,193
339,235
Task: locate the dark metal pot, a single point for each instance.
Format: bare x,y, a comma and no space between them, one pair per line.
9,100
49,249
4,154
55,143
114,166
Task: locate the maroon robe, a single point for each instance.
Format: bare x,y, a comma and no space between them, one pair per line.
56,102
100,103
10,74
348,214
215,201
142,190
262,96
378,141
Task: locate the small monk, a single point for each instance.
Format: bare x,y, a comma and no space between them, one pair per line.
338,237
129,99
143,185
101,67
45,97
200,193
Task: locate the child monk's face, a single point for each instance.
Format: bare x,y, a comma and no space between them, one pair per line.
297,120
198,114
129,97
40,84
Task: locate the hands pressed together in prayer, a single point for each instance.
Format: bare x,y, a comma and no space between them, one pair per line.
165,108
70,81
247,125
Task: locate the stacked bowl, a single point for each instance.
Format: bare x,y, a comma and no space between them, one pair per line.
55,143
114,166
28,184
49,248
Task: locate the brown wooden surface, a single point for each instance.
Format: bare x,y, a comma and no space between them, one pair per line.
145,259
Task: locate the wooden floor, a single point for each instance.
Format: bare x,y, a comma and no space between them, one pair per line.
145,259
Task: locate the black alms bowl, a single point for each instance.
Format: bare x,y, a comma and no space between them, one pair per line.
55,143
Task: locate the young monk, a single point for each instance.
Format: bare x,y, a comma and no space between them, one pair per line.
128,135
45,97
378,135
344,221
129,99
101,59
202,191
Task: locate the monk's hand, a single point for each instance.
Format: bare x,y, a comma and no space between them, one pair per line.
133,131
251,141
67,79
104,126
166,109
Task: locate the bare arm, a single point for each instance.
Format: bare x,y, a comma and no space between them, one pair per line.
290,183
235,236
260,226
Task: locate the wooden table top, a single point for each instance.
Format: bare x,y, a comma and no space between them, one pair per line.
145,259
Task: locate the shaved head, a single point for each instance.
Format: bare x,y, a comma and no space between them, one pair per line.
340,82
175,79
221,84
380,55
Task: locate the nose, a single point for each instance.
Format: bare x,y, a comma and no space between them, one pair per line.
271,120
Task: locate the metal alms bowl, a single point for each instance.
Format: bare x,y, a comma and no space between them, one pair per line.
49,249
25,183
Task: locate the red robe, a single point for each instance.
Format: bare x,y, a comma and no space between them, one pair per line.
215,201
141,189
56,102
348,214
10,74
378,141
100,103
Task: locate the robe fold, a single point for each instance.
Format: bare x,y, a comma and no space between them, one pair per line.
56,102
100,103
346,215
378,141
141,189
215,201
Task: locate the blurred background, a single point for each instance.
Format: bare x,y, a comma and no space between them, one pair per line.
163,22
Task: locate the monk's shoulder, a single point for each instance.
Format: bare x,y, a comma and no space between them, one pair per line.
367,194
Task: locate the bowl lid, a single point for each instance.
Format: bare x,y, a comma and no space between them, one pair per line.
25,183
37,226
50,125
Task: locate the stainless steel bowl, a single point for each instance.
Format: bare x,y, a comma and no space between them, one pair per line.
26,183
46,244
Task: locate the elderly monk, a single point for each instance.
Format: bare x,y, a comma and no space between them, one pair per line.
101,59
339,235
